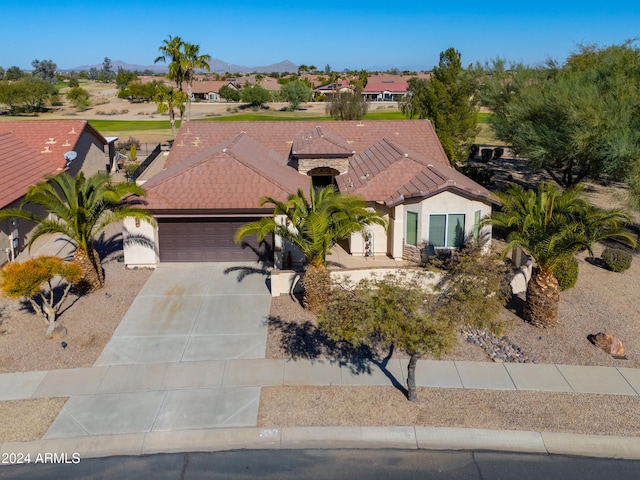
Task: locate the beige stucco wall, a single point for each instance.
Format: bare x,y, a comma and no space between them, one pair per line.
380,239
91,156
285,282
25,229
140,244
445,203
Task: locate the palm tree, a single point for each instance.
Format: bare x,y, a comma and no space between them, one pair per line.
172,50
552,224
81,209
168,99
191,59
315,226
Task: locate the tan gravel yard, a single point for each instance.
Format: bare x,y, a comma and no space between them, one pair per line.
588,414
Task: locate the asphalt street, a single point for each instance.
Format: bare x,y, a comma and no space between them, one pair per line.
333,464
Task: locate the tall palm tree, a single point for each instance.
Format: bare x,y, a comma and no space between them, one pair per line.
171,49
551,224
314,226
191,59
82,208
168,100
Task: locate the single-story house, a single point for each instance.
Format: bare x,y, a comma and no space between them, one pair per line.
216,174
33,150
329,89
385,90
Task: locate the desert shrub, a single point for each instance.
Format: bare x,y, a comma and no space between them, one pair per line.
616,259
125,147
130,169
566,272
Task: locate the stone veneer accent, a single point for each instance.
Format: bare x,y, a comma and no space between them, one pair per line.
411,253
305,165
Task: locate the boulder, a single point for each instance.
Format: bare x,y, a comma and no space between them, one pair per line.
609,343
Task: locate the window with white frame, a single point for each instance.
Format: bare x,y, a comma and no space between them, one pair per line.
446,230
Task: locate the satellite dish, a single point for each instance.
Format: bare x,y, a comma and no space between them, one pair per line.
70,157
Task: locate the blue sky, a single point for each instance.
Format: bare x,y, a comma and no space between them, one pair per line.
346,34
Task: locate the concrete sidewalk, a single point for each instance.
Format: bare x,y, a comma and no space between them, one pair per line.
191,406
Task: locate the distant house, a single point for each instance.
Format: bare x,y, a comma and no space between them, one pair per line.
329,89
209,90
385,90
216,174
33,150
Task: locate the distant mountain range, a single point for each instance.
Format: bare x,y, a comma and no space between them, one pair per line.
217,66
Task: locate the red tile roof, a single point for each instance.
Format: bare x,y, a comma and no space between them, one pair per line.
320,144
394,86
235,174
231,165
32,149
22,167
52,138
414,135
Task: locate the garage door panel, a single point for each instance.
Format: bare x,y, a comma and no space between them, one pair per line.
206,240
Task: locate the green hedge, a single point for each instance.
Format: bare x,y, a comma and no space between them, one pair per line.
616,259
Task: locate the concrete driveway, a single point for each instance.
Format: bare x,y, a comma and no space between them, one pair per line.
165,367
189,312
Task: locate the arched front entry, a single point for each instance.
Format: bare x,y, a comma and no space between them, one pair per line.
323,176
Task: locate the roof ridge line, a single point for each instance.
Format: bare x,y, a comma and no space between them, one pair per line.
252,166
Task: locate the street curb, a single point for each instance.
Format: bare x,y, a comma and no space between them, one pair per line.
422,438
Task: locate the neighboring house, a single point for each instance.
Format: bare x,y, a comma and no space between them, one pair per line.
329,89
33,150
209,90
385,90
216,174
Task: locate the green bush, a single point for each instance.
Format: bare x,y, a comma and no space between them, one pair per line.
566,272
616,259
481,175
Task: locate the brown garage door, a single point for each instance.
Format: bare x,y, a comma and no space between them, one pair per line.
208,240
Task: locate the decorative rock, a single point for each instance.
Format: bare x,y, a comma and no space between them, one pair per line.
609,343
498,349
